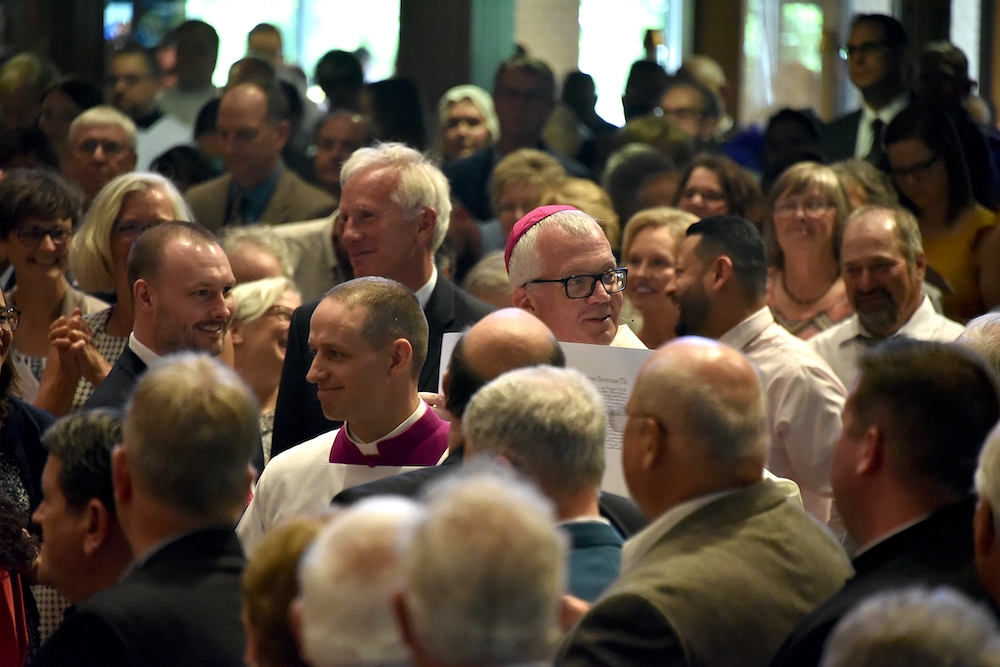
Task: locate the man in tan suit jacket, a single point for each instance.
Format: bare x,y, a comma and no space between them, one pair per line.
253,124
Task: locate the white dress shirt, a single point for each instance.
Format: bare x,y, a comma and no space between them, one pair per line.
865,139
842,345
805,402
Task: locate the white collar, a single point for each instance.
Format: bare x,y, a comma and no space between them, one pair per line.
886,113
371,448
147,355
743,333
424,293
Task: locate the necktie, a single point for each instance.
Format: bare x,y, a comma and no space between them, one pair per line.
877,156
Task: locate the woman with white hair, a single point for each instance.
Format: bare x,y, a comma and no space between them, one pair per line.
83,347
260,338
467,121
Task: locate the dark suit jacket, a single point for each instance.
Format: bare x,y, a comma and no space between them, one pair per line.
117,388
595,557
723,587
299,417
470,178
179,607
21,438
936,551
838,137
293,200
623,514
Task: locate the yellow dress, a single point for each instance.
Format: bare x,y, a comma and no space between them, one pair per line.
954,257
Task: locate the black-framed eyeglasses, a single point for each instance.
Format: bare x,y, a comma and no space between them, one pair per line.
32,236
851,51
582,286
9,317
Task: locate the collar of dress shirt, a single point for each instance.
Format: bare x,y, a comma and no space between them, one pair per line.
424,293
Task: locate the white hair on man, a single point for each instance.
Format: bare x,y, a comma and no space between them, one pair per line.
483,573
982,336
421,184
346,582
987,476
548,422
104,115
915,627
525,262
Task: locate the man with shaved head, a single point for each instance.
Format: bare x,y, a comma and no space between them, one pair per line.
727,566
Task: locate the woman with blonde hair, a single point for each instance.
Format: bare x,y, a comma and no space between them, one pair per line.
260,338
649,251
467,121
84,346
805,222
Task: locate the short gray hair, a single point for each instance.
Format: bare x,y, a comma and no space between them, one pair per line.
484,572
90,252
915,627
347,578
421,184
982,336
197,466
260,236
987,477
104,115
525,262
252,299
549,422
907,228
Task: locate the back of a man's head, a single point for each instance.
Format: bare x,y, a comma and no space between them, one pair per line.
505,339
190,431
935,403
347,579
83,442
915,627
982,336
549,423
483,573
737,238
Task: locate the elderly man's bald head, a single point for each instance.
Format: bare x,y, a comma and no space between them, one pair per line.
702,403
502,341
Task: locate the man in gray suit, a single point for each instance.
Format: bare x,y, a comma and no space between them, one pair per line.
254,127
727,566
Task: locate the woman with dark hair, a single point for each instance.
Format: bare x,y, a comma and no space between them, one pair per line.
715,185
38,213
961,238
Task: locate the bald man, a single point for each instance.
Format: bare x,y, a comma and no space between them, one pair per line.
500,342
727,566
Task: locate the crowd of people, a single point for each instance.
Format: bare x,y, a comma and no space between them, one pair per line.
233,431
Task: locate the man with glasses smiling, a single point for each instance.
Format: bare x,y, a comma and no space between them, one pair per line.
876,58
562,270
102,145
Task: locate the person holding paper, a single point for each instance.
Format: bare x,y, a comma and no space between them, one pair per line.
562,270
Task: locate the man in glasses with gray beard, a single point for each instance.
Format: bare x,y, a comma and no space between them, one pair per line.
883,265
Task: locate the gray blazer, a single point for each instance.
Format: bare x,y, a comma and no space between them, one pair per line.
722,588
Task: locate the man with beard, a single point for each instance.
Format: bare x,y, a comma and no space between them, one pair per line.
181,286
883,264
720,290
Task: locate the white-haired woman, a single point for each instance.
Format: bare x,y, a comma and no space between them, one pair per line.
83,347
467,121
260,338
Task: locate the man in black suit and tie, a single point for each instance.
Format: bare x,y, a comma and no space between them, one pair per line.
902,478
394,209
181,283
181,478
876,60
